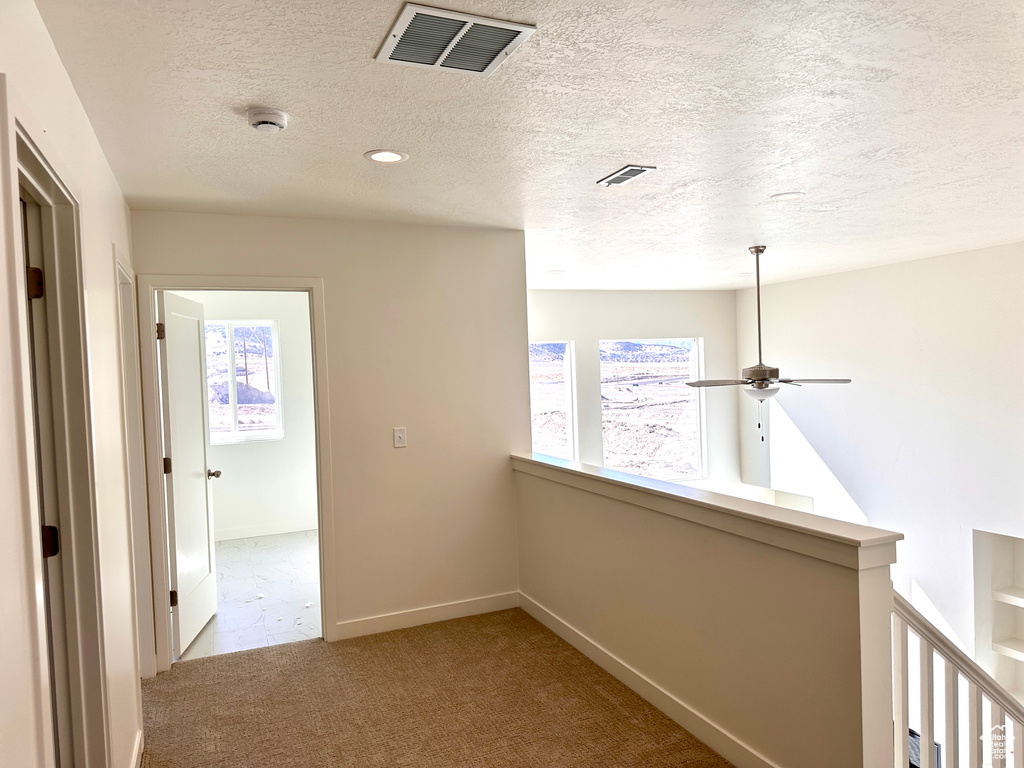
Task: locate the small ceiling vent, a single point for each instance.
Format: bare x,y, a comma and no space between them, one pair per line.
625,175
431,37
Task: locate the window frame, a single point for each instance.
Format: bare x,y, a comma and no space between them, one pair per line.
704,472
572,428
235,437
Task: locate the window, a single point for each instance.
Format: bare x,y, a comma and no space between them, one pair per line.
243,381
651,422
552,410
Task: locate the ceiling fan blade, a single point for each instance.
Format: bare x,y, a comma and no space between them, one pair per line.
790,382
718,383
815,381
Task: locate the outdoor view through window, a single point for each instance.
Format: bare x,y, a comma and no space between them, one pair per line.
242,381
651,421
551,398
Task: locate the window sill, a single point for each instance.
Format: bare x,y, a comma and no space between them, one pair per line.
246,441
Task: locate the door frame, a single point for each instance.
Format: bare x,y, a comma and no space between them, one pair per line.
27,160
135,462
148,286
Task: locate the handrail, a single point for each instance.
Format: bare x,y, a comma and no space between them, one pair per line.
967,666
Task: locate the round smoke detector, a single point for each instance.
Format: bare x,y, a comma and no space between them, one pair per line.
267,120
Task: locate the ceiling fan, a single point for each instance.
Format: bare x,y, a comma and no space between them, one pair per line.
760,381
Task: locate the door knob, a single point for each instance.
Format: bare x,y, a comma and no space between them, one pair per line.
213,473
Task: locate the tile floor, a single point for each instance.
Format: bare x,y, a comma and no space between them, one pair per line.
268,592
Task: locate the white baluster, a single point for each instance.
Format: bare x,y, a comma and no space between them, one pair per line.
1000,737
974,744
951,749
901,694
927,705
1018,744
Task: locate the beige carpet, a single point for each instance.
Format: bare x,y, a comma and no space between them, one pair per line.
493,690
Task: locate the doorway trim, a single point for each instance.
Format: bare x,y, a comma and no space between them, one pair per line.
148,286
27,160
135,462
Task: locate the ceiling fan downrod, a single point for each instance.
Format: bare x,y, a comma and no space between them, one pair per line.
760,375
757,250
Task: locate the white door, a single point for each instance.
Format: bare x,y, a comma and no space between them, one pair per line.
189,513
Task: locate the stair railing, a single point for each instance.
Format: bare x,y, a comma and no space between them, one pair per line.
999,748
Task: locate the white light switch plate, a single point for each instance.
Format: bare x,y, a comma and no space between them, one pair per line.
399,437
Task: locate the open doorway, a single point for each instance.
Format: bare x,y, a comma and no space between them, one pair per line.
239,415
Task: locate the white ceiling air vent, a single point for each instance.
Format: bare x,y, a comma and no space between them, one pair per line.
625,175
431,37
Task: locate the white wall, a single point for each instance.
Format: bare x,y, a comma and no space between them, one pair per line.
586,317
796,468
35,73
269,486
426,330
927,439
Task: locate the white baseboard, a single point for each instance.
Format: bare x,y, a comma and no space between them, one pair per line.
137,750
716,737
428,615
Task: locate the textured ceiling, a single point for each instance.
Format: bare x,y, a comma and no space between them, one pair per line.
900,119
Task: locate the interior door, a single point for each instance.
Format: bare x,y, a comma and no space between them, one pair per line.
193,570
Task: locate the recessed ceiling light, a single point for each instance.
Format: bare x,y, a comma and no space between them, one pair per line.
787,196
385,156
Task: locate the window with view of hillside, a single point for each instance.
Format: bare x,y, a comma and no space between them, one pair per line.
651,421
243,381
551,399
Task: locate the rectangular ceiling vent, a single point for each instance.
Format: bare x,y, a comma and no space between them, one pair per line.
625,175
431,37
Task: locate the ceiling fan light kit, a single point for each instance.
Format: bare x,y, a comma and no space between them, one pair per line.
760,381
761,393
